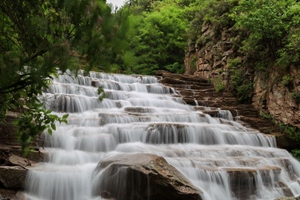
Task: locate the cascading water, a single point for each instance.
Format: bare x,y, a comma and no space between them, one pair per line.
138,115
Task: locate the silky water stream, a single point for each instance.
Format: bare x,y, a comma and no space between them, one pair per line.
222,158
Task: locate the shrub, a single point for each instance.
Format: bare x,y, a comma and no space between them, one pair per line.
239,83
219,85
296,153
291,131
296,97
287,80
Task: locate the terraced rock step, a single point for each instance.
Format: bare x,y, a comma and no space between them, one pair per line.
200,93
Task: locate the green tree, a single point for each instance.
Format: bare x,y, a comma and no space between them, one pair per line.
271,27
157,39
38,37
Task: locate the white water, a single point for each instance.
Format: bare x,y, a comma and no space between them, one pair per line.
219,156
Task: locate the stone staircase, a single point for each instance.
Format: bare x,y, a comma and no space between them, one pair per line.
200,93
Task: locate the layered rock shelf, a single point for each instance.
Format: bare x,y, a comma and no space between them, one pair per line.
200,93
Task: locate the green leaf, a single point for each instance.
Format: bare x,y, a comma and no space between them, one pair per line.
49,131
53,126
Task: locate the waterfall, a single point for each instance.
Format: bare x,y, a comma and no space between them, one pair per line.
218,155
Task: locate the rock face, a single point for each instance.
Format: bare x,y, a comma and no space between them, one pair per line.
276,98
210,60
147,177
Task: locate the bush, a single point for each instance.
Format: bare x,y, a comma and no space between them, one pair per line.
291,131
296,153
296,97
239,83
287,80
219,85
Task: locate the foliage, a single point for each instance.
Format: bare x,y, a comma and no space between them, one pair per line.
35,120
296,97
101,93
219,85
157,39
210,12
290,53
193,62
296,153
266,116
38,37
140,6
271,28
291,131
239,82
287,80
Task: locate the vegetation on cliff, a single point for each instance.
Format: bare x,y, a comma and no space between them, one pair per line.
263,37
264,32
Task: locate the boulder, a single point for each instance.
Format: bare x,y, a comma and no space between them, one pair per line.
15,160
12,177
141,176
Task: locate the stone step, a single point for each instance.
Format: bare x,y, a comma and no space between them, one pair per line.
191,78
202,86
206,96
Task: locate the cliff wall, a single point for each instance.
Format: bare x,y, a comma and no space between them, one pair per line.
274,92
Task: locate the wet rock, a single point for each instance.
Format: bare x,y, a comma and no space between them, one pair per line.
12,177
139,110
11,195
289,198
243,181
147,177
